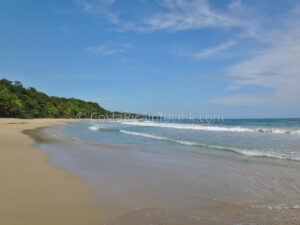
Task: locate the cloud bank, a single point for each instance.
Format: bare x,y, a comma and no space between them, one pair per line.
276,67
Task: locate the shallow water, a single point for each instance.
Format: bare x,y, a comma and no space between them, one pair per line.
158,175
279,139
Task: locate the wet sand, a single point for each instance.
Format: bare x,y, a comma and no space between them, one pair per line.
31,190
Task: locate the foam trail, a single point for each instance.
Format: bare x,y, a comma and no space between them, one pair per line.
186,126
158,137
211,128
245,152
277,130
143,135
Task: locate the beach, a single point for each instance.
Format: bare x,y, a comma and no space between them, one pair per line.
115,173
155,172
164,112
33,191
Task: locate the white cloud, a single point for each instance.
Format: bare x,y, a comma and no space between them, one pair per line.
109,48
184,15
103,50
99,7
276,67
214,50
175,15
236,5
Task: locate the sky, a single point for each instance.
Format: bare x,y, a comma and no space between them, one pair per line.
236,58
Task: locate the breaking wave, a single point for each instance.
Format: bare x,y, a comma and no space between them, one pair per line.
211,127
94,128
245,152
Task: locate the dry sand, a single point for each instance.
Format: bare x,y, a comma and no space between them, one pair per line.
33,191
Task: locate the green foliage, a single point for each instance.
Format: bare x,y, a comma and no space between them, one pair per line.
17,101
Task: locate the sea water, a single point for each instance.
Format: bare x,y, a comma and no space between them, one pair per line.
185,172
272,138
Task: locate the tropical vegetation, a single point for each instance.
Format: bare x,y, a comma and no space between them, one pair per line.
20,102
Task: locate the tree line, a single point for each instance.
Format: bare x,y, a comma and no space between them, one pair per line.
17,101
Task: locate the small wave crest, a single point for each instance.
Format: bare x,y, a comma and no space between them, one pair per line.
276,207
245,152
143,135
158,137
97,128
211,128
277,130
186,126
94,128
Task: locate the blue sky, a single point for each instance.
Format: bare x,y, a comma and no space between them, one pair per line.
239,58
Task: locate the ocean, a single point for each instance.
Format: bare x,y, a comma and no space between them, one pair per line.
272,138
238,171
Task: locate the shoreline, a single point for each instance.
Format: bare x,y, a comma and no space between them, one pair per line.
149,187
34,191
64,181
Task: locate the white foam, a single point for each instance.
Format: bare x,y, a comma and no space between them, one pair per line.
143,135
295,132
158,137
276,207
186,126
274,155
94,128
245,152
278,130
186,143
210,127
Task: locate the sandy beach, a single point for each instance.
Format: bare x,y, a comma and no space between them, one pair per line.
133,185
33,191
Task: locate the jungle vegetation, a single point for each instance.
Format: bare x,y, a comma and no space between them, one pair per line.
20,102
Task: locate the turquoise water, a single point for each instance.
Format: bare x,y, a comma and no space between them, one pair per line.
241,138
